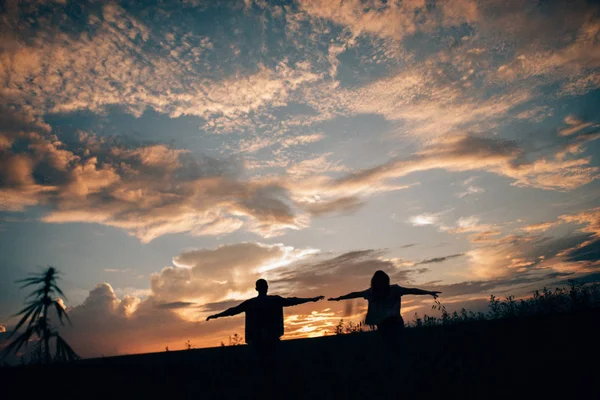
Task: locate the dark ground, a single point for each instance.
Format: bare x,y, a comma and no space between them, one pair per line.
542,357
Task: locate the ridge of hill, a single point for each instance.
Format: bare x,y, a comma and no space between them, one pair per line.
551,355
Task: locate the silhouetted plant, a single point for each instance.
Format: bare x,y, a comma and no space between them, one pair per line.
542,302
189,345
349,327
339,328
418,321
36,312
37,354
236,340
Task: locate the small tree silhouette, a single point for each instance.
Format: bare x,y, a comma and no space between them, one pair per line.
236,340
189,345
36,312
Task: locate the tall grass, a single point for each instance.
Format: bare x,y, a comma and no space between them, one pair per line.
543,302
573,298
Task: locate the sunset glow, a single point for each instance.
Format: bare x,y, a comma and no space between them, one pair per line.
165,155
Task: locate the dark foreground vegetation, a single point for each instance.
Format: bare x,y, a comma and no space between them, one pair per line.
547,347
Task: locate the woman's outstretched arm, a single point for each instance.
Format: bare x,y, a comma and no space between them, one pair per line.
353,295
421,292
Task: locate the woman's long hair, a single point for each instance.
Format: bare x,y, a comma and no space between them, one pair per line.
380,284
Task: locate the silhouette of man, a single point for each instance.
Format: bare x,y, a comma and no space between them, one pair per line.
264,316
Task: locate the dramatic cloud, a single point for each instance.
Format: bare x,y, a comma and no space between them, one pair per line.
227,272
148,191
512,254
502,157
311,121
155,190
107,325
343,273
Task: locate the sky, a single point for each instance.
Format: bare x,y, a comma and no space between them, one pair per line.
163,155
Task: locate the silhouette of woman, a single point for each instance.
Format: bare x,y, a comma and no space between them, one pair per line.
384,304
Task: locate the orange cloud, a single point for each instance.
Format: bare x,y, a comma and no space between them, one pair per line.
389,20
468,153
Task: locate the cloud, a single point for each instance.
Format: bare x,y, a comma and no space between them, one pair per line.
221,277
590,219
573,61
175,305
343,273
544,226
470,153
445,110
256,144
436,260
471,189
471,224
75,72
580,85
527,251
228,271
424,219
500,256
389,20
497,286
317,165
149,191
2,329
107,325
132,188
447,79
153,190
575,125
343,205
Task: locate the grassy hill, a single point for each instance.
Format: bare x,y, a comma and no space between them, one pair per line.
549,356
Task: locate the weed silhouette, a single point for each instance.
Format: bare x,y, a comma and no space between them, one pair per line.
39,327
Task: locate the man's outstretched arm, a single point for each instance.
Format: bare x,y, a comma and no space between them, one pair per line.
294,301
229,312
420,292
353,295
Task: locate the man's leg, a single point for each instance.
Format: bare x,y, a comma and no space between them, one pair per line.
267,365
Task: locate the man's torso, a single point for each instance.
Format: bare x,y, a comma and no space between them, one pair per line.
264,319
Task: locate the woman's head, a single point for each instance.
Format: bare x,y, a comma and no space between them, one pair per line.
380,283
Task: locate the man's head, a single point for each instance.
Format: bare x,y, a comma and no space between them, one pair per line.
261,286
